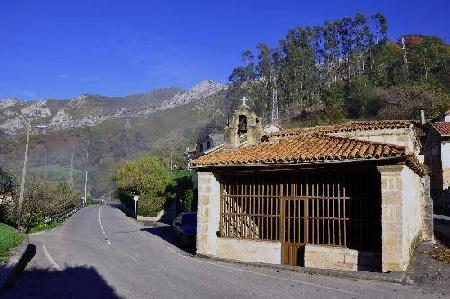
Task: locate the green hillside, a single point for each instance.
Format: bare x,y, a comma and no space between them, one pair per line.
112,142
345,69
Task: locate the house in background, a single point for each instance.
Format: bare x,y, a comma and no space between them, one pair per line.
209,143
350,196
437,157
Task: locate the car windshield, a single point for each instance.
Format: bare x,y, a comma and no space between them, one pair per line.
189,219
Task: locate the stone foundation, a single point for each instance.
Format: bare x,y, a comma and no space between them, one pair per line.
331,257
249,250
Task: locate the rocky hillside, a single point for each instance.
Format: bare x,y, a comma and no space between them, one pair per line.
112,129
49,115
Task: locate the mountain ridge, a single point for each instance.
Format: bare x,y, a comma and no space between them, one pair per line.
51,115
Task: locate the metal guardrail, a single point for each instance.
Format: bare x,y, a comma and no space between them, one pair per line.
62,215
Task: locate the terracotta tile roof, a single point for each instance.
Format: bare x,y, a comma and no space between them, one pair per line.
306,148
421,130
443,128
347,127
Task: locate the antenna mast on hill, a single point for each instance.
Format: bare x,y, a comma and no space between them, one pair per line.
405,59
274,118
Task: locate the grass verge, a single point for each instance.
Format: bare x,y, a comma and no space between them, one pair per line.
44,226
9,239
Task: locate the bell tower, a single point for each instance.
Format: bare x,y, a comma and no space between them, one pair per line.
244,127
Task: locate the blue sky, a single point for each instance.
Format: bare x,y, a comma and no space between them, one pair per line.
60,49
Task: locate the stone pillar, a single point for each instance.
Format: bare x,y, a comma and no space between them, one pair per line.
393,258
207,213
427,224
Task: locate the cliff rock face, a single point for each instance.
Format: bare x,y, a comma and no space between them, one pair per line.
90,110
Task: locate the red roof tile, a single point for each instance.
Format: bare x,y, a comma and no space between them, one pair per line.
306,148
347,127
443,128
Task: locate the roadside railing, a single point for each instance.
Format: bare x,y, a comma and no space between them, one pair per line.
62,215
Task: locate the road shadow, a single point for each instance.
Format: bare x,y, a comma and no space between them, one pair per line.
76,282
165,232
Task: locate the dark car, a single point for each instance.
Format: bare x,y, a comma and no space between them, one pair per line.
185,229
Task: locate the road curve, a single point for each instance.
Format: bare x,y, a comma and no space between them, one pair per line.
100,253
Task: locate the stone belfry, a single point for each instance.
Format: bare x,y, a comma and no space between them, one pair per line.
244,127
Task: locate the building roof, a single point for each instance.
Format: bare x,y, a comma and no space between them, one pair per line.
443,128
347,127
306,148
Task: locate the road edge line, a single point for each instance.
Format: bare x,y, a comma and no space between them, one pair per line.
50,258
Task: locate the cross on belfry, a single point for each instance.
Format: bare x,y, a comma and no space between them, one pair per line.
244,100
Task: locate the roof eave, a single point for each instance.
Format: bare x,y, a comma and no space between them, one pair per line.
322,162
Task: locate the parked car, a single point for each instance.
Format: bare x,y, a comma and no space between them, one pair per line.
185,229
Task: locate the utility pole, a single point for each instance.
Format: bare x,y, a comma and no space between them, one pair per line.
24,174
71,171
171,153
45,163
86,177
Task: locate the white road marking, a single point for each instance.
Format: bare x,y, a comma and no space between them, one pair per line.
101,225
50,259
261,274
441,217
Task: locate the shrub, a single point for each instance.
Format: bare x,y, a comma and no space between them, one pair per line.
150,206
147,177
189,203
42,198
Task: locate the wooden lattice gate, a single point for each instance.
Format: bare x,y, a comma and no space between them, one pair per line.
334,207
294,226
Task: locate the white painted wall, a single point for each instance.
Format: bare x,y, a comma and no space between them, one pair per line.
445,158
401,137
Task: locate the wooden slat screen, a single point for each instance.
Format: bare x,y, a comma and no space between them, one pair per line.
250,208
341,208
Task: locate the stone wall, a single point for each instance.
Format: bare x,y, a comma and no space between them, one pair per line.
249,250
403,214
207,213
331,257
412,213
254,128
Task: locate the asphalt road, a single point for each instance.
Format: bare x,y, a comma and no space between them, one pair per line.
100,253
